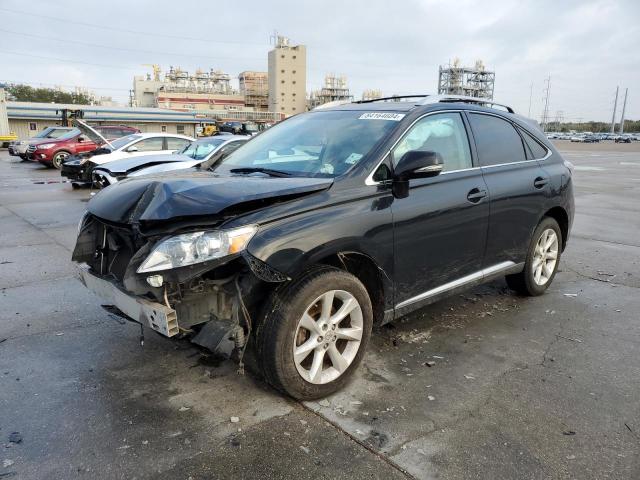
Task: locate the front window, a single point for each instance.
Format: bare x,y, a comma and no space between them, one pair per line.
324,144
442,133
124,141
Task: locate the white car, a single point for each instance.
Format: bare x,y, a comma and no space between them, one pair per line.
79,168
205,153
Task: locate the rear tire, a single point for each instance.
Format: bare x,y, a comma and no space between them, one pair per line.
543,258
307,348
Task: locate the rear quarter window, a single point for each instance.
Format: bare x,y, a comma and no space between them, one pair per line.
534,149
497,141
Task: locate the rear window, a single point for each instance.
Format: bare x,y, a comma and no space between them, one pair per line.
497,141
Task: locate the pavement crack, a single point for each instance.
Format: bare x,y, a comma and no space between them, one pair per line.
363,444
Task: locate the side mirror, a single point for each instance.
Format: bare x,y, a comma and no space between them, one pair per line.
81,139
132,149
415,164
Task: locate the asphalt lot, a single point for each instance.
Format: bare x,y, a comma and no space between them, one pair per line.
516,388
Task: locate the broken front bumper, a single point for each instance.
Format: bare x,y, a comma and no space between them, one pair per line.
159,317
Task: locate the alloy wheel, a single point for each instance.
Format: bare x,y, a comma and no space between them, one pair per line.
59,159
328,337
545,257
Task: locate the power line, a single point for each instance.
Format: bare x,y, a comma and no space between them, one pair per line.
95,45
124,30
22,54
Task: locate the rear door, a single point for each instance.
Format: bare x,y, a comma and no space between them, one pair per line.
440,228
148,146
517,187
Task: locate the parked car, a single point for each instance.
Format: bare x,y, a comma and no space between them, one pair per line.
203,154
328,223
240,128
79,168
18,148
55,153
623,139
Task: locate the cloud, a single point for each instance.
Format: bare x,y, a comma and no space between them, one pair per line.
587,47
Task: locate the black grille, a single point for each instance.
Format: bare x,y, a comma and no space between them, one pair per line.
114,248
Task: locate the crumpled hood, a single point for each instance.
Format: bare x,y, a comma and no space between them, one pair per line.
202,194
126,165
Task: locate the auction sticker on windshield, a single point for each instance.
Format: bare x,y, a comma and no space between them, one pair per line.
395,117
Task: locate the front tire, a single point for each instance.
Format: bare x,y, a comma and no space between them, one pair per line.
542,260
59,158
314,333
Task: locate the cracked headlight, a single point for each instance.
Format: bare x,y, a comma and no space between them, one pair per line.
198,247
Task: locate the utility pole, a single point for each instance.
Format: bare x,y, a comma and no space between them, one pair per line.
624,107
545,114
613,117
530,97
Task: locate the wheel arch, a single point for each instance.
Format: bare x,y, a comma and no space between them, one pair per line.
561,216
372,276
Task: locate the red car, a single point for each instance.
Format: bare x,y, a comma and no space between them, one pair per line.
53,152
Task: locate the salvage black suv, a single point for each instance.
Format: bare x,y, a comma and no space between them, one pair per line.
328,224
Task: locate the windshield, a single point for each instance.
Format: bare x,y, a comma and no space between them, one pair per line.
122,141
56,132
70,134
201,149
323,144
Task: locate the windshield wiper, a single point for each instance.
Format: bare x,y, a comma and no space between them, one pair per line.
268,171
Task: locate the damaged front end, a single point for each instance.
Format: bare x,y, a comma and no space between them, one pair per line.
211,301
171,253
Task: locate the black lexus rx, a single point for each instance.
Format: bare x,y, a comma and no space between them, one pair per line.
329,223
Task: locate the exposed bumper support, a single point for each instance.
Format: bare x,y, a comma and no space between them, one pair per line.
158,316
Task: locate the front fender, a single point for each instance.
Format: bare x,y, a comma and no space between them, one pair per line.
363,226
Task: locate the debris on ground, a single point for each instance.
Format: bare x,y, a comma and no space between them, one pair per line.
569,338
414,336
430,363
15,437
324,403
469,377
234,419
355,402
305,449
184,409
569,432
7,463
572,295
431,397
571,457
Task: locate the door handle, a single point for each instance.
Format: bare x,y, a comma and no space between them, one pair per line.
476,194
540,182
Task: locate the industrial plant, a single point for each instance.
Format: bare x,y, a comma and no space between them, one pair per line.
474,81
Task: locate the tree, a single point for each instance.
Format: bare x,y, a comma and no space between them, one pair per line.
25,93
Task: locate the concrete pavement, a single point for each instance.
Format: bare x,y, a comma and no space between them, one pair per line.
483,385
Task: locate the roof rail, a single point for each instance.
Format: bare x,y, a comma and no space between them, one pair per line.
463,99
386,99
425,100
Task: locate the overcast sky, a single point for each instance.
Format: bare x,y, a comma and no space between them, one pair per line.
587,47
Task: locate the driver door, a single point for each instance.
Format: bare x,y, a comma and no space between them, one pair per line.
440,229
